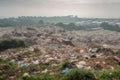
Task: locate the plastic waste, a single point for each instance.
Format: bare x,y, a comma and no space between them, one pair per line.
24,65
66,70
36,62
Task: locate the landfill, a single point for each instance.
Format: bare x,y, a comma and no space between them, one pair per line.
52,46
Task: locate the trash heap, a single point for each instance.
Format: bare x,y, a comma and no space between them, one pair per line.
50,47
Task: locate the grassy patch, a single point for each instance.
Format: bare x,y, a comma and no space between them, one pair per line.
109,74
77,74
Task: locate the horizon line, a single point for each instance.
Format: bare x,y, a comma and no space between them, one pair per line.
3,17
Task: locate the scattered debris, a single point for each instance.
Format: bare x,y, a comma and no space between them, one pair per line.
52,46
26,74
45,71
35,62
81,64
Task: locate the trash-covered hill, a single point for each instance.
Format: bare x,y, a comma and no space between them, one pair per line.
48,47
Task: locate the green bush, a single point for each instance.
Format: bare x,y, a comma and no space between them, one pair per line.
76,74
11,43
109,75
40,77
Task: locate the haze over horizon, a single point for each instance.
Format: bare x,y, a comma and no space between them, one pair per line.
81,8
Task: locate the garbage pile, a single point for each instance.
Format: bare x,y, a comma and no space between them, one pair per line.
53,46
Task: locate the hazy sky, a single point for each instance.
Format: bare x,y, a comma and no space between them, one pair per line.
82,8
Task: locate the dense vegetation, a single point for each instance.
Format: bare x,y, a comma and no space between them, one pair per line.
67,22
29,20
76,74
107,26
104,25
11,43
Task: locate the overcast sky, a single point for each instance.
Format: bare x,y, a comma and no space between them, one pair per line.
82,8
